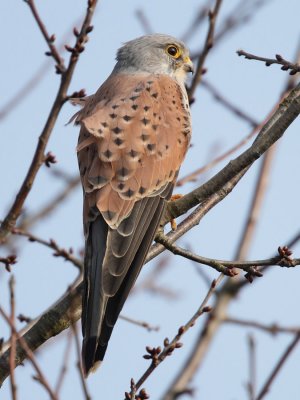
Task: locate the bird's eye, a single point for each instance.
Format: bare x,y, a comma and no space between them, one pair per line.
173,51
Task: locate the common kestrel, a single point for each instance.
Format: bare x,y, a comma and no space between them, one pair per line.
135,131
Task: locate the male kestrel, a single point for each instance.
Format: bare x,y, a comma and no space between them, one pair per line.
135,131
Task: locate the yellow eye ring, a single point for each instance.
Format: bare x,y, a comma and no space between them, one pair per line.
173,51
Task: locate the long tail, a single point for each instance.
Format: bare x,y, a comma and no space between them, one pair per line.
106,291
93,301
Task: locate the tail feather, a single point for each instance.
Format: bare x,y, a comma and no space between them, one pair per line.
115,303
94,303
106,292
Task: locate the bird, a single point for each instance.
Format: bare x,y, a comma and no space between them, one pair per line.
134,135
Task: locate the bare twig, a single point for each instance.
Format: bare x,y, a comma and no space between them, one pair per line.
38,158
266,387
228,104
144,21
49,39
228,267
64,367
28,86
59,251
79,365
256,204
238,17
143,324
29,354
294,68
251,385
273,329
209,41
199,18
193,175
51,206
12,355
157,355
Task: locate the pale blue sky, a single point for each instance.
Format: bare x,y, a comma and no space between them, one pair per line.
41,279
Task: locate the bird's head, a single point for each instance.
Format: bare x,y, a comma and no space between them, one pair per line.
155,54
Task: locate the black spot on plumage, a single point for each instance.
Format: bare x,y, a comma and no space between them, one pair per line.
134,106
179,141
167,146
100,131
154,127
145,121
97,180
127,118
146,108
121,186
144,137
158,182
123,172
178,119
148,89
104,124
132,98
132,153
151,146
149,82
160,153
115,106
155,95
138,89
171,173
113,115
142,190
118,141
108,215
154,114
173,101
117,130
129,193
107,154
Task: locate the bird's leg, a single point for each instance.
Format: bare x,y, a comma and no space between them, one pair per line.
173,220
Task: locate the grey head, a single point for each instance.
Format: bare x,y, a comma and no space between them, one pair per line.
154,54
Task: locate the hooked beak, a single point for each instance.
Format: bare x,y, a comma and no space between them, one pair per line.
188,65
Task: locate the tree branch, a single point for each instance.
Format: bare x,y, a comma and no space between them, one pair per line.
294,68
38,158
287,111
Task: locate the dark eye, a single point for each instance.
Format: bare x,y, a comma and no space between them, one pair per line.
173,51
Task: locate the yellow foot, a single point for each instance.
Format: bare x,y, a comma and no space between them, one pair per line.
173,221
